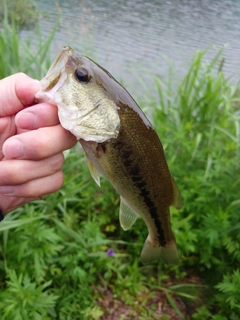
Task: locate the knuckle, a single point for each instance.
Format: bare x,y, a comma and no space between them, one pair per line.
58,180
41,187
8,176
56,162
40,146
60,160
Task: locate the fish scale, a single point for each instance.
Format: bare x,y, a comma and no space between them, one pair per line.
119,143
143,178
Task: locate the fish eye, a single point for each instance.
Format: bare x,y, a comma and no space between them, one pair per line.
82,75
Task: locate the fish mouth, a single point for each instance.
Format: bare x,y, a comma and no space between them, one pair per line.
55,77
55,73
60,60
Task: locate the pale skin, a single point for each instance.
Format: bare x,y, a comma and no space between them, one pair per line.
31,144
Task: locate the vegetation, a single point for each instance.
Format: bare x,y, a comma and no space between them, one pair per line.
23,12
66,257
17,55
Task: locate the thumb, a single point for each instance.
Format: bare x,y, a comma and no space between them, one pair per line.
16,92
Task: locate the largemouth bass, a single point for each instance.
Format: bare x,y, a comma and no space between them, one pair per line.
120,143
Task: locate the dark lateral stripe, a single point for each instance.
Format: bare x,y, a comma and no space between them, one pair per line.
150,204
135,174
1,216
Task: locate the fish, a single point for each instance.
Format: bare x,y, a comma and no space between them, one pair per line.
120,143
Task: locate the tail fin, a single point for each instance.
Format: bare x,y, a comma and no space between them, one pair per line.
150,253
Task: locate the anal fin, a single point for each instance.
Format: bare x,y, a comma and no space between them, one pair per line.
127,216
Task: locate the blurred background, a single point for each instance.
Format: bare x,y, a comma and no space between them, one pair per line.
129,36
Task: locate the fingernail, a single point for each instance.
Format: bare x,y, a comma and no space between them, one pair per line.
26,120
7,190
13,148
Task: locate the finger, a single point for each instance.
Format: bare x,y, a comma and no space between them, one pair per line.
14,172
38,144
36,188
16,92
40,115
10,203
7,129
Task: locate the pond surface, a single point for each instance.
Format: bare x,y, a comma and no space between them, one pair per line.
126,35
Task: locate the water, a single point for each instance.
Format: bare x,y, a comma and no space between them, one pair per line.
130,36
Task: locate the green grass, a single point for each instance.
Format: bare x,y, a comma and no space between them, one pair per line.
22,56
53,260
23,12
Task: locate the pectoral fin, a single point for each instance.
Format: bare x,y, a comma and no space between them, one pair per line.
127,216
177,201
94,172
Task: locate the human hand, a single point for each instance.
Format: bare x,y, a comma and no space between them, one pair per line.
31,144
